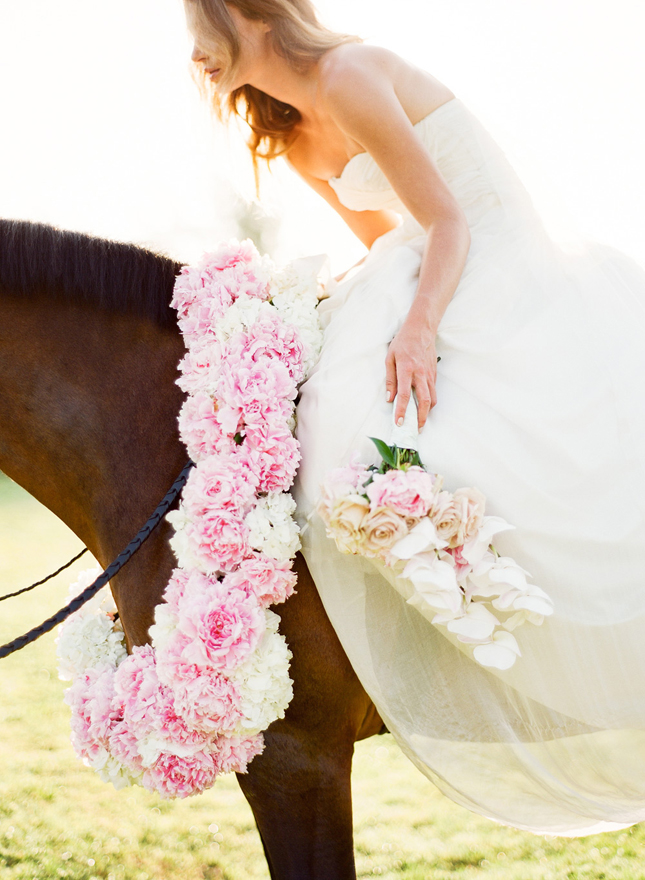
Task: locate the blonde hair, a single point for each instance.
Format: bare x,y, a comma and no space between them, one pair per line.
297,36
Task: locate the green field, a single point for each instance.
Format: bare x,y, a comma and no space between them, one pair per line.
57,819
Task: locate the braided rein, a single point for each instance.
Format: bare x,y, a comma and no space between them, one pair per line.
142,535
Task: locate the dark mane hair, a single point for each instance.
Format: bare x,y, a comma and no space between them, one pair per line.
74,266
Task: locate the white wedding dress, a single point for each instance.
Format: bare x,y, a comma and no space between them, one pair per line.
541,406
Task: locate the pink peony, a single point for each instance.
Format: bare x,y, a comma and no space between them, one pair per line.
206,700
233,754
268,579
199,369
174,777
137,687
94,710
220,629
244,383
201,430
274,462
270,338
408,493
219,539
220,483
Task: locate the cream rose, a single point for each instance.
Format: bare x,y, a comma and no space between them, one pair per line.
345,522
381,529
445,516
469,505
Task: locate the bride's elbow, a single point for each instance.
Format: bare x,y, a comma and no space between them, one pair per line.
453,225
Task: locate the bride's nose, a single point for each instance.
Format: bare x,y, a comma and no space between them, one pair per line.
197,54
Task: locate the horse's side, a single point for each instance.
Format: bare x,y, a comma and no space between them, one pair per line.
88,425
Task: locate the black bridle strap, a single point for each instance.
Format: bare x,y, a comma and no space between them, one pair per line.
105,576
44,580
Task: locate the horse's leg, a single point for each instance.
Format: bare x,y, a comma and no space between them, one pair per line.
299,787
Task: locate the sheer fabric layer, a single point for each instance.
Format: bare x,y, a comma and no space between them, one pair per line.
541,406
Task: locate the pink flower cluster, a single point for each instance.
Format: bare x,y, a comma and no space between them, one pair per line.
172,715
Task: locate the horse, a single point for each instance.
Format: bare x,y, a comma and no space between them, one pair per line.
89,348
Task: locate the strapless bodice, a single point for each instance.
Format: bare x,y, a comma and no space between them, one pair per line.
475,168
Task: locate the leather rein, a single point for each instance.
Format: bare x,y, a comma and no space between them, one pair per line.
144,532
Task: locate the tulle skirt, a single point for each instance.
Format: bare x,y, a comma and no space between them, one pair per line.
541,406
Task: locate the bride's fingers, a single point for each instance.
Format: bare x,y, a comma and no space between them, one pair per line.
390,378
404,389
422,390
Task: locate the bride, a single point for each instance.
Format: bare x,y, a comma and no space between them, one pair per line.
537,399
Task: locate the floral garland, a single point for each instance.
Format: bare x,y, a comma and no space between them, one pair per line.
438,545
174,714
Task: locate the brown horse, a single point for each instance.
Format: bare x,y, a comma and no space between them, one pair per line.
88,425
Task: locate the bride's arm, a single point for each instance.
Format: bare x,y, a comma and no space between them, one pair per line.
362,100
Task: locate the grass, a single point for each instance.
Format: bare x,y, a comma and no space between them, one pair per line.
58,820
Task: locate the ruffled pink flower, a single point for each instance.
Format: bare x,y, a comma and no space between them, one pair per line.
220,629
219,539
244,383
221,482
233,754
200,368
274,461
177,586
200,429
270,580
94,711
206,700
270,338
137,687
174,777
408,493
201,317
124,746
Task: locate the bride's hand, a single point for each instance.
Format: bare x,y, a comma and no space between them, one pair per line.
411,362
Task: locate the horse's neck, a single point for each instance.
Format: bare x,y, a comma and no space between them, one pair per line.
88,410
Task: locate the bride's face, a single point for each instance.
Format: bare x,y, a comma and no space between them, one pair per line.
212,50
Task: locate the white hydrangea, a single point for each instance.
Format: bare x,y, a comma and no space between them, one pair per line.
294,293
90,636
164,626
272,529
244,312
263,680
111,770
180,543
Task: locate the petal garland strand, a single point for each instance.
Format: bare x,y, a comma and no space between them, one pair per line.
175,714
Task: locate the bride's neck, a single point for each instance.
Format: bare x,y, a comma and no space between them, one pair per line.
280,81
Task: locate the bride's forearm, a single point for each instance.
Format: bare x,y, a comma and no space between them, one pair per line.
442,264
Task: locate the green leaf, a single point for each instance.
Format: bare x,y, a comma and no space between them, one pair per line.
238,439
386,452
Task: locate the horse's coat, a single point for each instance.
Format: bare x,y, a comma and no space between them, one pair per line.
88,425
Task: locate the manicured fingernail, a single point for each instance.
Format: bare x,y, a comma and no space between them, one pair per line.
400,421
388,397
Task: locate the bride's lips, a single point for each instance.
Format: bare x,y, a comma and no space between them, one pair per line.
214,72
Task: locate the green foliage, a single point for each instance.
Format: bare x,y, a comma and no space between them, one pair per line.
58,820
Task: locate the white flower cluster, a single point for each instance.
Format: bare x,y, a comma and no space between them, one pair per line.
272,529
263,680
294,293
91,636
480,598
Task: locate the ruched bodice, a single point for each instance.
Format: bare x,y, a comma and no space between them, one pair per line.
475,169
541,406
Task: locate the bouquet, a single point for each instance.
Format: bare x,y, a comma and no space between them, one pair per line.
438,542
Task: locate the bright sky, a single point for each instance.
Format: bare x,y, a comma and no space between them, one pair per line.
103,131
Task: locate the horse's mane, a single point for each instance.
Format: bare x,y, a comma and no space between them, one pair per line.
73,266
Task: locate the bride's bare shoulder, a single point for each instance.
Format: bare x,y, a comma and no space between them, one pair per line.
353,71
